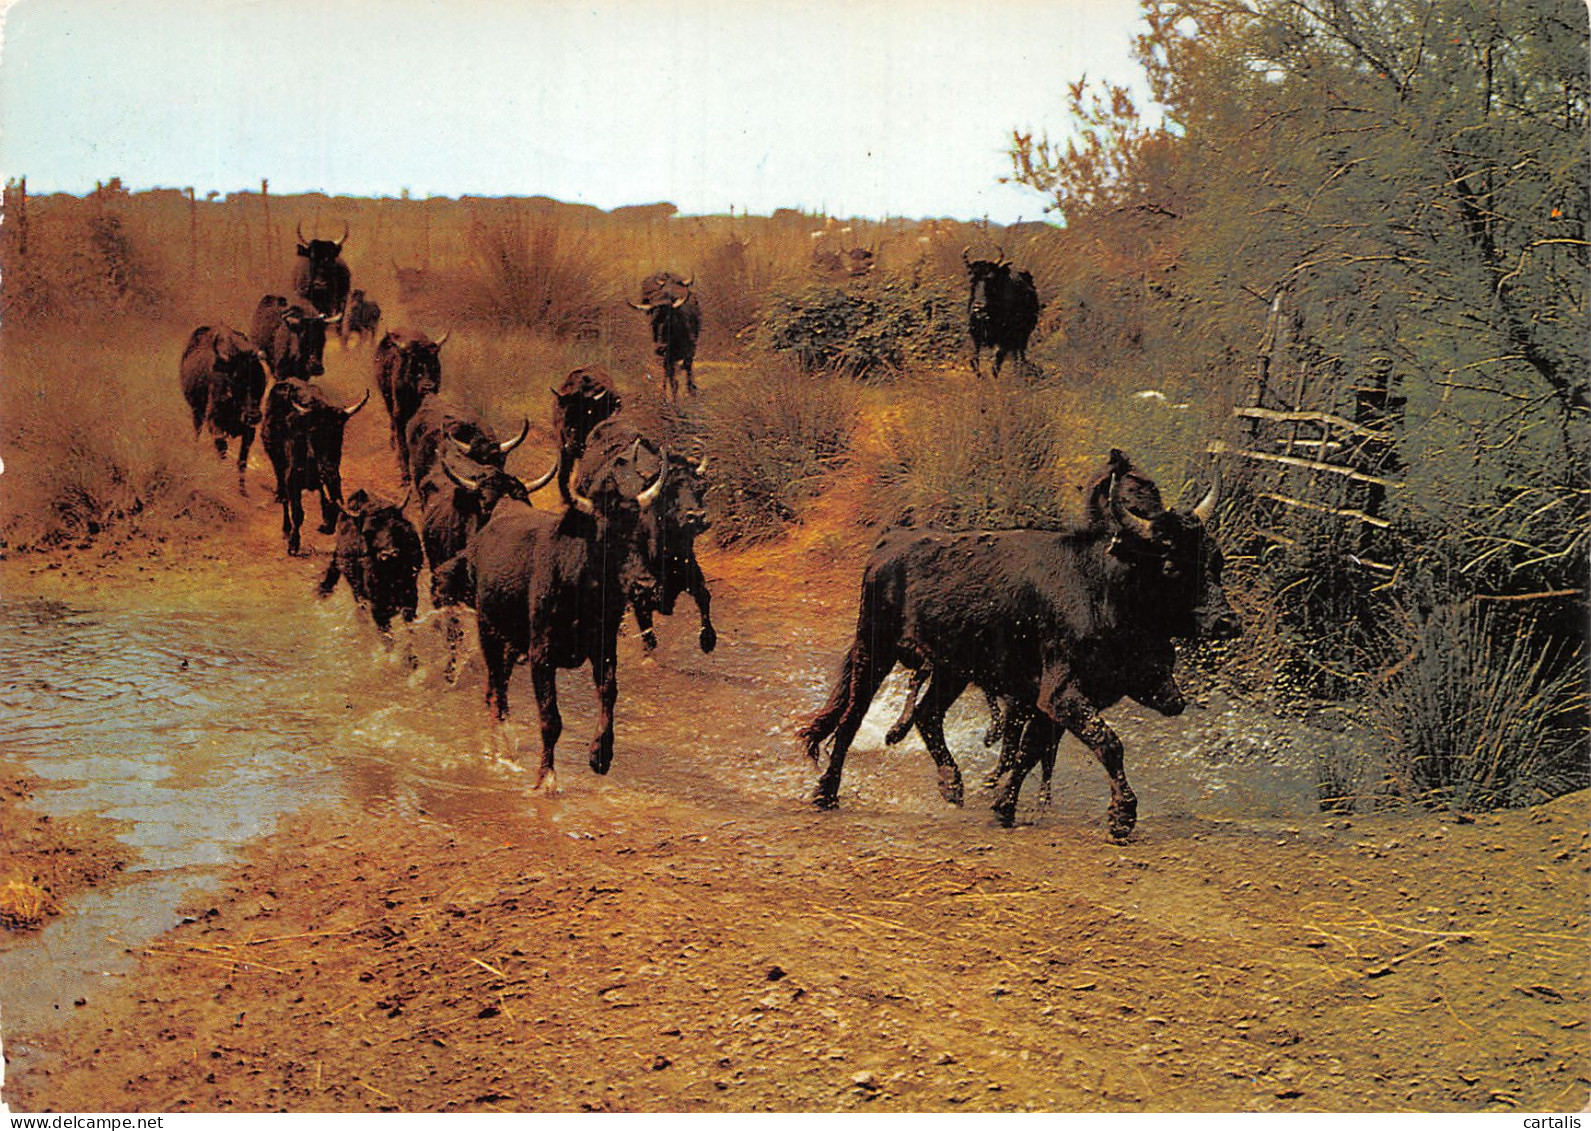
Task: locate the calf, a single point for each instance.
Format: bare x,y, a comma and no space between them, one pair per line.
360,320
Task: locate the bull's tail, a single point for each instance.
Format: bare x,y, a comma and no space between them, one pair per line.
826,721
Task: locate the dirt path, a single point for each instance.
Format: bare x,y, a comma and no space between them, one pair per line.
688,934
801,962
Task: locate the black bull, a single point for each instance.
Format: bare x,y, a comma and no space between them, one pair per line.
223,378
378,554
320,277
615,448
1002,309
303,434
1065,623
551,588
292,339
676,321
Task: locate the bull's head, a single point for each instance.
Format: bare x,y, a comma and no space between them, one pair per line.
484,486
585,399
482,447
1176,565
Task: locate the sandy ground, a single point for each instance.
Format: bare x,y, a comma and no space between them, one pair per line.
581,954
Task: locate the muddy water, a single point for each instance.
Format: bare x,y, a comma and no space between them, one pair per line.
200,727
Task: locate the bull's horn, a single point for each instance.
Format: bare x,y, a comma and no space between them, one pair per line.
353,408
345,236
964,258
440,342
459,444
649,496
1205,510
300,409
644,308
573,498
302,242
509,445
471,485
701,468
1140,527
679,302
407,495
537,484
687,282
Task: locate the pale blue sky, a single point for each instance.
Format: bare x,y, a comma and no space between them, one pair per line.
867,108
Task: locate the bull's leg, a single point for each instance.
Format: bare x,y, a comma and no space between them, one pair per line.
670,388
997,729
453,636
329,582
690,373
331,497
999,358
1038,735
605,674
908,711
943,690
707,639
543,677
245,442
1010,733
866,674
219,439
1077,715
643,621
292,518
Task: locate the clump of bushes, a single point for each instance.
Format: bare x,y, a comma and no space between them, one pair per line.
975,454
1483,713
866,328
773,438
95,438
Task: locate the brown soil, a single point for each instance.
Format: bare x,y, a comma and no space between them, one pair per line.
388,961
47,859
574,953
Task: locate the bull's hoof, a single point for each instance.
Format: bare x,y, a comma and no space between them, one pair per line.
897,732
601,761
1122,822
327,528
709,638
1005,813
950,785
649,640
822,799
546,783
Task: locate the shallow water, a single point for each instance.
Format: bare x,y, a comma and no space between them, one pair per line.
201,728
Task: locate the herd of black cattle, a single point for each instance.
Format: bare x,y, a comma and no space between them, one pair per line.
1053,625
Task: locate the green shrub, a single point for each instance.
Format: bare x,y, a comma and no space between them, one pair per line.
866,328
1481,714
773,436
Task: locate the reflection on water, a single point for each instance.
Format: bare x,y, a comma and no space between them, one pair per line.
200,729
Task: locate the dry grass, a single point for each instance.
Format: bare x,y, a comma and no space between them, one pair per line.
95,433
24,906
